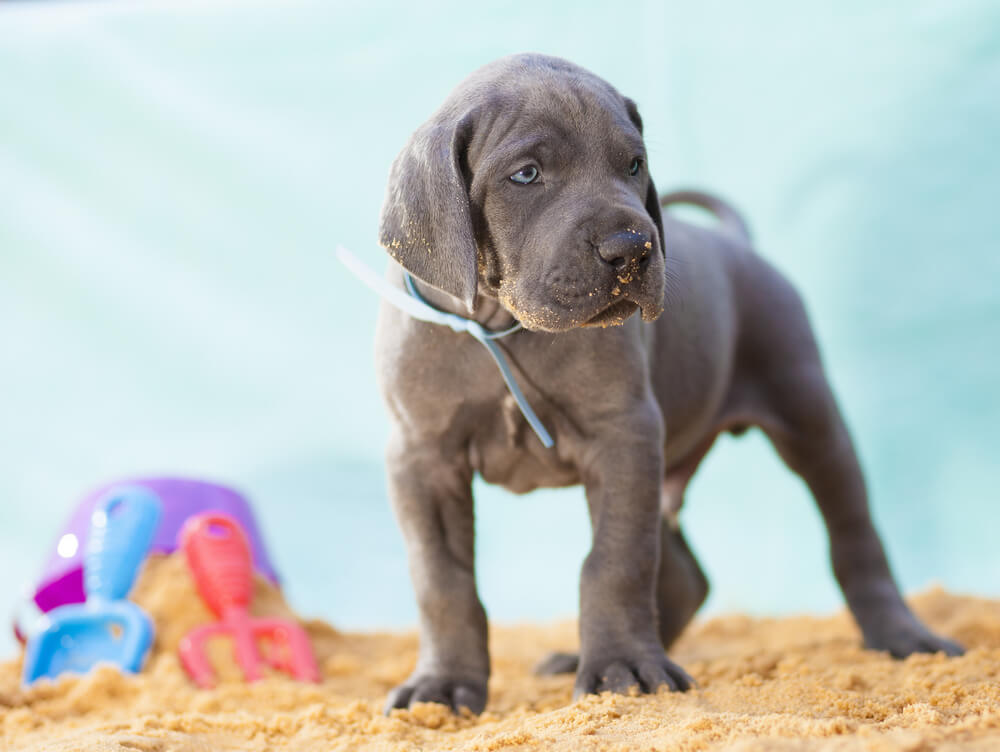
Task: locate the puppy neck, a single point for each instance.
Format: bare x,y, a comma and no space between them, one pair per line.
488,311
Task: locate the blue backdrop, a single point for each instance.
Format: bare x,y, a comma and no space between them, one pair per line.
174,177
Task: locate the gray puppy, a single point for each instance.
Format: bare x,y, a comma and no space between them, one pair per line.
527,197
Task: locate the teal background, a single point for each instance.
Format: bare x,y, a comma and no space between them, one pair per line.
174,177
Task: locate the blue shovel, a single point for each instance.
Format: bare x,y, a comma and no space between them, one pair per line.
106,627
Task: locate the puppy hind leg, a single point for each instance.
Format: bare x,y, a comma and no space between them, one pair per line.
681,585
558,663
809,434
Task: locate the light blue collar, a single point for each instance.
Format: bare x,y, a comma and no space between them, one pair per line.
413,304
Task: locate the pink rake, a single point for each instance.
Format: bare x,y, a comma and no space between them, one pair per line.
219,558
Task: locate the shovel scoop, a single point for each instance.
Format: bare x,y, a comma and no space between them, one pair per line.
106,627
219,558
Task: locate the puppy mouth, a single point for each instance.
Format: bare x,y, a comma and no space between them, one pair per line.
570,302
635,291
614,315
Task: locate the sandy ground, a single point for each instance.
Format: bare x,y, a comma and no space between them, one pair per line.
789,684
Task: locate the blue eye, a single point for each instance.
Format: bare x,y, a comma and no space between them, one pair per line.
633,169
525,175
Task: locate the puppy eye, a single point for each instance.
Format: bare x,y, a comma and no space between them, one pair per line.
633,169
525,175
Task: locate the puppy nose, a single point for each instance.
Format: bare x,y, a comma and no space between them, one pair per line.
621,249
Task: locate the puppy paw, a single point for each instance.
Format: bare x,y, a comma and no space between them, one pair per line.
646,673
453,692
558,663
901,640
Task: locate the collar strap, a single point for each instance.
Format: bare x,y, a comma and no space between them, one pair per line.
411,288
413,304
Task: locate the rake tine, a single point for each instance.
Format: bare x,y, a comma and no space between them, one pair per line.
193,658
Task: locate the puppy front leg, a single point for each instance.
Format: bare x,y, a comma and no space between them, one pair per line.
619,643
433,505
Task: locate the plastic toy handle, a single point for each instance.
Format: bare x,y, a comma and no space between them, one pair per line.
218,555
121,530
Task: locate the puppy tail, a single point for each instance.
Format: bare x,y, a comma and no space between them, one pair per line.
726,214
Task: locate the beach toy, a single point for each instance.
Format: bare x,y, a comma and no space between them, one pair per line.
219,559
62,578
106,627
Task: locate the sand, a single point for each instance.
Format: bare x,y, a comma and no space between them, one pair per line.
787,684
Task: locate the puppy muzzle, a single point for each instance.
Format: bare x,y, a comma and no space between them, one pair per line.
638,278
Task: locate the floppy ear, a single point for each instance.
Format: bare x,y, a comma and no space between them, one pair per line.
652,201
425,223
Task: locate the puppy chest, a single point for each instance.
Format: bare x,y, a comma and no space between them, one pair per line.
504,450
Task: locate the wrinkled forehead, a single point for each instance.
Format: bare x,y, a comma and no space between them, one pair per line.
572,110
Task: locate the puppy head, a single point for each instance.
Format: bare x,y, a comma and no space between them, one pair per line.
530,185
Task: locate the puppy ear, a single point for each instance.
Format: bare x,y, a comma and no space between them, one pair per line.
652,202
426,224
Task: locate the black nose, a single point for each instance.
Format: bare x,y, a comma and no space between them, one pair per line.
621,249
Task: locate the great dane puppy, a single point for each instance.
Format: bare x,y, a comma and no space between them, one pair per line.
528,197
